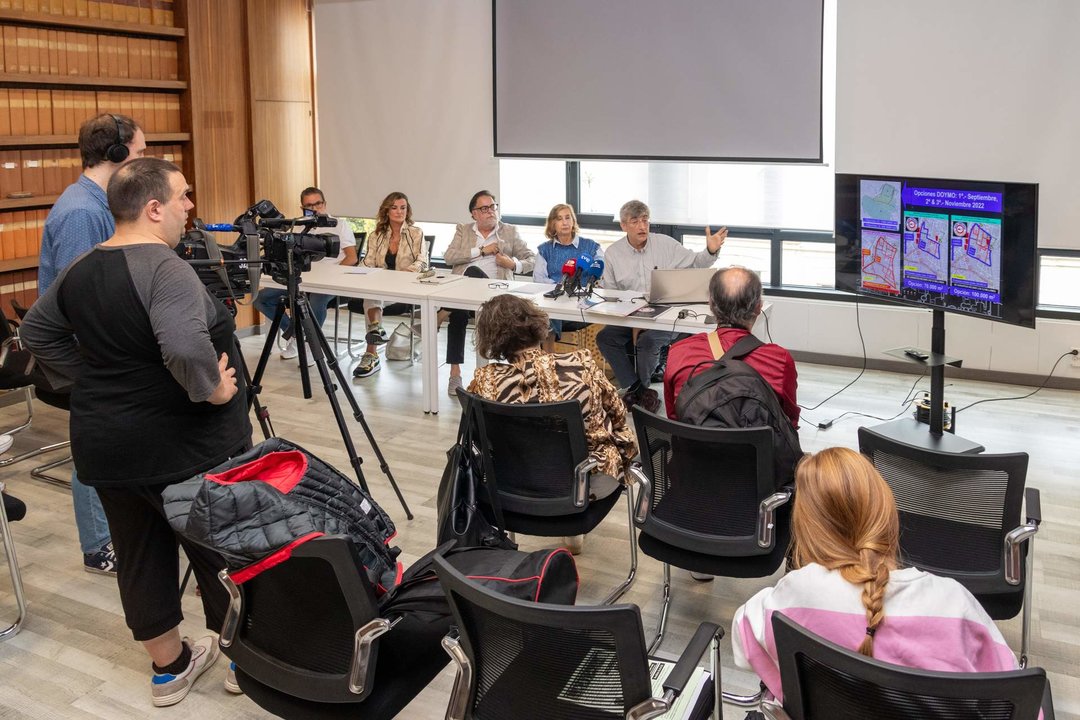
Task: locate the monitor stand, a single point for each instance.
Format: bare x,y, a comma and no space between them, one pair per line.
932,436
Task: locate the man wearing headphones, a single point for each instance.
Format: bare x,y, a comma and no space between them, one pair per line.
79,220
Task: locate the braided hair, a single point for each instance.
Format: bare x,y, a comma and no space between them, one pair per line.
845,519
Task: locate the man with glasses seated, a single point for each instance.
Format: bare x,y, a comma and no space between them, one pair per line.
486,247
312,201
629,263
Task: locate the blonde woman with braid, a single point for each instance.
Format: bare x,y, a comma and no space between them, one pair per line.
847,585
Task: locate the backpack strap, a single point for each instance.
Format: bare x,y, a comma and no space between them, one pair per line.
744,347
715,346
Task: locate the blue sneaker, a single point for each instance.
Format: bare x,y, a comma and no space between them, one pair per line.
230,680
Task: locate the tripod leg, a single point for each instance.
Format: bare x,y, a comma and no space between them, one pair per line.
324,357
261,413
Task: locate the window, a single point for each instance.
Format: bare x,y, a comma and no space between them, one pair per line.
1059,276
531,187
809,264
443,232
749,252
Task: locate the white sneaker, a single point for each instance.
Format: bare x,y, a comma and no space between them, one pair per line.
230,680
290,350
168,689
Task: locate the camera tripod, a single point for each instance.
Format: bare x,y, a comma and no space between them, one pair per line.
309,338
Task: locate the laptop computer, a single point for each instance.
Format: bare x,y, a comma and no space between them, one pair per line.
688,286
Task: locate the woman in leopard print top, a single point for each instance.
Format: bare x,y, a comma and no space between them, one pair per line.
511,328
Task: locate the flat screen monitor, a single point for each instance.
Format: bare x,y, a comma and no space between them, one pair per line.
963,246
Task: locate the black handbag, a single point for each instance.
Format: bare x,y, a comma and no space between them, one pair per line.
462,518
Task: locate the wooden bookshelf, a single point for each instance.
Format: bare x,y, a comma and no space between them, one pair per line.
57,71
23,263
94,25
37,201
81,82
41,141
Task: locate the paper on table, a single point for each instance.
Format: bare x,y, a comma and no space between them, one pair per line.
361,270
532,288
620,308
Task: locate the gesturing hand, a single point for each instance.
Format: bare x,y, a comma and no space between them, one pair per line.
715,242
505,261
226,388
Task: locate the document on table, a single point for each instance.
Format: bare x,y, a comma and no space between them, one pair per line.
620,308
361,270
532,288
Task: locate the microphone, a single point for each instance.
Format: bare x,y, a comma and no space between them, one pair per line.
595,272
580,272
569,269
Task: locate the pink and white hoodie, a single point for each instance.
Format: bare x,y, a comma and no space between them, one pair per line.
931,623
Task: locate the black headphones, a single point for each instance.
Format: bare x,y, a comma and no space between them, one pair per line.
118,151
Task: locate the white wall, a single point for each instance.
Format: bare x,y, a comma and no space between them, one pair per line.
820,326
970,89
967,89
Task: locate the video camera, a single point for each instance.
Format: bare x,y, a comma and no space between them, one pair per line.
267,239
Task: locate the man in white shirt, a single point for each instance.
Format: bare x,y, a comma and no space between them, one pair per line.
312,201
629,263
486,247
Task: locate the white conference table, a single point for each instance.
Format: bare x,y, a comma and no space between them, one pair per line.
469,294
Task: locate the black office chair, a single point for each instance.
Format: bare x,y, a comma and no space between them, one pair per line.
536,457
710,503
823,680
309,642
11,510
960,518
529,661
18,371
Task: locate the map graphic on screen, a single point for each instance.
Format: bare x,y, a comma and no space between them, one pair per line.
926,251
880,204
881,261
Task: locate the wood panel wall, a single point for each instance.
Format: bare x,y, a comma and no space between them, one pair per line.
280,71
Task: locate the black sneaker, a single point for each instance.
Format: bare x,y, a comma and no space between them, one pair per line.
102,562
369,365
376,335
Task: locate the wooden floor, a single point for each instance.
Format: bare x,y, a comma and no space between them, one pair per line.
75,658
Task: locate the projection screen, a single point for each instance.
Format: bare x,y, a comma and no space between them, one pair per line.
709,80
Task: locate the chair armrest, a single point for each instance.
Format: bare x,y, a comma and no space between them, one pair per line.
637,476
581,481
365,638
766,528
695,650
773,711
458,706
1032,506
1015,539
232,615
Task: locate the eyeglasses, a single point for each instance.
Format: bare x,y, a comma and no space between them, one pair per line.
484,209
498,286
314,205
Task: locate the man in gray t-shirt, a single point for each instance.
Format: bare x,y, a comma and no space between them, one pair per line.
629,265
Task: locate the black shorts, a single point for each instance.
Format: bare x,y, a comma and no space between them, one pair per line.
148,564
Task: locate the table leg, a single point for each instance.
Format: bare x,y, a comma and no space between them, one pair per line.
429,356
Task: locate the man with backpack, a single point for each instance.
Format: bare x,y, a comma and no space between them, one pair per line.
729,378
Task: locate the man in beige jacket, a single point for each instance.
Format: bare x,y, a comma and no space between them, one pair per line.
485,247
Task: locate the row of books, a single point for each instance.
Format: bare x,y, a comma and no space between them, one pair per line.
145,12
44,173
20,285
41,51
61,112
20,233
